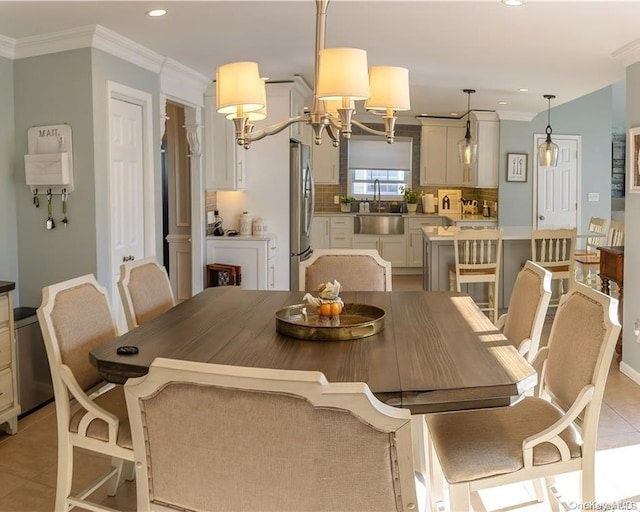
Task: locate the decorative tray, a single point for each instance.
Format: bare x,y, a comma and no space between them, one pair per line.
356,321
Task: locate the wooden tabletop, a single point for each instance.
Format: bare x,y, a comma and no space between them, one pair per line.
437,351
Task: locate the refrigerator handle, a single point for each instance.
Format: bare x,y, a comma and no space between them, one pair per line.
310,209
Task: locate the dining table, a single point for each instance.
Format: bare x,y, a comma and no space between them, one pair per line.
436,351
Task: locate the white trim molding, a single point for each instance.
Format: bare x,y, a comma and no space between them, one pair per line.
183,83
629,53
7,47
629,372
512,115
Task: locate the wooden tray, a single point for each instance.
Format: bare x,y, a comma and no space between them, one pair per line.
356,321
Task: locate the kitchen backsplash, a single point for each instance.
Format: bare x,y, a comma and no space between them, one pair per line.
210,205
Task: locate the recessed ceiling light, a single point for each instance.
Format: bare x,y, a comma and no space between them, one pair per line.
513,2
453,114
523,89
156,12
502,103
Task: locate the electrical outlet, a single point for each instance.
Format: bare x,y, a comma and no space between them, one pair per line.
336,199
593,197
211,217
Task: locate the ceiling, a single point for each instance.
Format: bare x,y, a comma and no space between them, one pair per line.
548,46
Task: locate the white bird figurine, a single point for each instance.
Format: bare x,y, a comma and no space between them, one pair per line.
328,292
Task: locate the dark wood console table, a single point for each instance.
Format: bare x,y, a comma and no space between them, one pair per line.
612,269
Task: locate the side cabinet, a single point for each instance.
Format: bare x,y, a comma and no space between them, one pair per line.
413,229
9,406
256,256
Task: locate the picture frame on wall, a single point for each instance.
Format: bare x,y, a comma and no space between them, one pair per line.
633,164
517,167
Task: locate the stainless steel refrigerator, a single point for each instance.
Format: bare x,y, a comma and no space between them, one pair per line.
302,203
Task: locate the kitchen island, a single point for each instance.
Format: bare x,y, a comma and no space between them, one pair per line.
438,255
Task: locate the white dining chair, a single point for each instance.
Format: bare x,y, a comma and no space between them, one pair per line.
218,437
554,250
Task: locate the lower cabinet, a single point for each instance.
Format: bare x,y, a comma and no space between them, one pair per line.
413,230
391,247
9,406
256,256
321,232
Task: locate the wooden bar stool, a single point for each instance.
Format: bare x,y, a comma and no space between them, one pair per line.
554,250
477,254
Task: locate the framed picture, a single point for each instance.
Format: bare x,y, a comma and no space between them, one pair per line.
634,166
517,167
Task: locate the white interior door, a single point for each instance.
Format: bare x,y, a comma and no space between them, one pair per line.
557,187
127,193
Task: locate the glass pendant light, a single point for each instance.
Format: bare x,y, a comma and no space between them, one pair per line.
548,150
468,147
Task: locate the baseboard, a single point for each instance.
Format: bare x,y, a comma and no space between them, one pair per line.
630,372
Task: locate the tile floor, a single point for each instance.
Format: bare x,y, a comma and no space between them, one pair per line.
28,459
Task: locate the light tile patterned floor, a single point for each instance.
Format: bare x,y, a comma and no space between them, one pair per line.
28,459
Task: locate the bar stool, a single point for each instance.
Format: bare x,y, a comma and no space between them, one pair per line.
477,254
554,250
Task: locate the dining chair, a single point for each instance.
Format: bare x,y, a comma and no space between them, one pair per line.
477,254
357,270
145,291
522,323
554,250
615,236
551,433
587,260
75,317
218,437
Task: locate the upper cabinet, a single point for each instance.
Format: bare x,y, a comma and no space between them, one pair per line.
325,162
228,164
485,172
439,162
226,161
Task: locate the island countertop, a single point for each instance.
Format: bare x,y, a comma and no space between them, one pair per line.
439,234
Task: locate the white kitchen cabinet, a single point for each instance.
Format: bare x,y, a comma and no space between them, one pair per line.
439,162
225,160
413,231
341,232
254,254
485,172
390,247
9,406
325,163
321,232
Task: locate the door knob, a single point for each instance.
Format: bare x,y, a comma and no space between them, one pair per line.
541,217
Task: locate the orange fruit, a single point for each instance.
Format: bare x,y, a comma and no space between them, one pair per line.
324,310
336,308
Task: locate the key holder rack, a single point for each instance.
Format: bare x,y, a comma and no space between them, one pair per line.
49,163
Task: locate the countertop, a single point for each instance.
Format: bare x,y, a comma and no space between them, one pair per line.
453,217
436,234
242,238
7,286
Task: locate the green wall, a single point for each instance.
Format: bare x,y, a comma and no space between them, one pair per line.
8,226
590,117
55,89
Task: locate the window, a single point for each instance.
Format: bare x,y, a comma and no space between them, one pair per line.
372,159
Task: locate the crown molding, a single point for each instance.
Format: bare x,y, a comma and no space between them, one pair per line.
183,83
119,46
7,47
629,53
512,115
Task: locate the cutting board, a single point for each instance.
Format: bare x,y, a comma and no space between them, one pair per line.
449,200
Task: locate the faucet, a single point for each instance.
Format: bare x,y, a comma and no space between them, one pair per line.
377,201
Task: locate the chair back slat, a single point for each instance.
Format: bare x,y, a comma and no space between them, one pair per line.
615,235
553,247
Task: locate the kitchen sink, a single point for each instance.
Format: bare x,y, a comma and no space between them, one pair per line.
378,224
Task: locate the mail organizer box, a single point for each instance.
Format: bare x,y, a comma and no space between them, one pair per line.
223,275
49,163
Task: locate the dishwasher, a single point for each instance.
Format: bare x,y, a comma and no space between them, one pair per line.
34,376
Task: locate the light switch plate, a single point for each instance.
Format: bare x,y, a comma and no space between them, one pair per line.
336,199
594,197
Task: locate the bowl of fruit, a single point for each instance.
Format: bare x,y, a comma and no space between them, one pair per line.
327,318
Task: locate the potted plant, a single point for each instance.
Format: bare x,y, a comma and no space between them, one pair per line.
345,203
411,198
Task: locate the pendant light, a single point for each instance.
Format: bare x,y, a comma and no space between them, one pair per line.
468,147
548,150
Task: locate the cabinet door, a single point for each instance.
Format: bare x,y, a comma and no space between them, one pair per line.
366,242
414,249
393,249
325,163
320,233
488,154
455,175
433,155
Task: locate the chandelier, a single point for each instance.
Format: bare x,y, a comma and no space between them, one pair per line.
341,79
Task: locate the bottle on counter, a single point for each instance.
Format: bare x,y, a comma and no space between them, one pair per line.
218,230
245,223
486,212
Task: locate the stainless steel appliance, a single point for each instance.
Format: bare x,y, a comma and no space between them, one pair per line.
302,203
34,376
